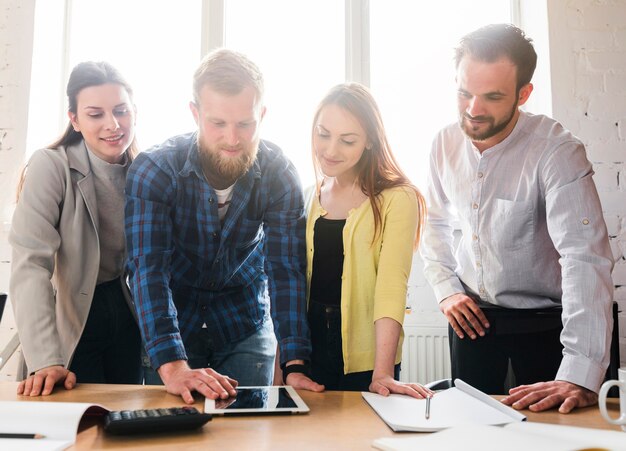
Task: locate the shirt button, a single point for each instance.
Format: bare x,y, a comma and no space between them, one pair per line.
203,308
212,284
482,290
586,221
475,237
210,200
214,234
217,260
480,175
478,264
475,206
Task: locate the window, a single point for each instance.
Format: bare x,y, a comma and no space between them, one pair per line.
155,46
402,49
300,49
414,84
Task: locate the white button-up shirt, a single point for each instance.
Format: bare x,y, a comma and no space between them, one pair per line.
533,234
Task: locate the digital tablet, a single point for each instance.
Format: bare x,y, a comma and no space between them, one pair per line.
258,400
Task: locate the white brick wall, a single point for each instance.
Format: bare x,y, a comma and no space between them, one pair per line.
592,103
16,38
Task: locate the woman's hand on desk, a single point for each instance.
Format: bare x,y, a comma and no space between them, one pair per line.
385,385
546,395
42,382
181,380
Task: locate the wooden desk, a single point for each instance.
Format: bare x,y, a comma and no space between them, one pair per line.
338,420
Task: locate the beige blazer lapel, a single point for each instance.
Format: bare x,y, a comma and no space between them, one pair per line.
78,161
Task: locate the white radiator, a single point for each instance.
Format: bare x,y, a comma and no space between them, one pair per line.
425,354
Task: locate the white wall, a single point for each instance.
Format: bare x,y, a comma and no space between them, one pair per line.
16,46
588,62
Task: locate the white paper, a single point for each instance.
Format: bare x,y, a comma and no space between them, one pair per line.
512,437
57,422
11,444
448,408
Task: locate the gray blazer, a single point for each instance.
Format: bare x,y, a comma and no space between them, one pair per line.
56,255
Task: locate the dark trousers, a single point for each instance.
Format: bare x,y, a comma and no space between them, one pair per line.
109,350
327,354
530,340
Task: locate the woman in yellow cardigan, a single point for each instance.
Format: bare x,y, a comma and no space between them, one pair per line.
364,220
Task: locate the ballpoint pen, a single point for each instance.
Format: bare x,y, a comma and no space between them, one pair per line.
427,414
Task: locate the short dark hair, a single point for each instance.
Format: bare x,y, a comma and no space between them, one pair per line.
492,42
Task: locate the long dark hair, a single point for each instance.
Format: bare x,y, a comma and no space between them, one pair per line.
85,75
377,170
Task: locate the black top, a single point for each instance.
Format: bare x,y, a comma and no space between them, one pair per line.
327,261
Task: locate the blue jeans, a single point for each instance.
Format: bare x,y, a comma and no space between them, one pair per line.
249,361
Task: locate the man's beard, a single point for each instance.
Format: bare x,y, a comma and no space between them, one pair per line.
224,171
491,131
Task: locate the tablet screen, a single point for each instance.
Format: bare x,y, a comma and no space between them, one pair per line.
261,400
257,398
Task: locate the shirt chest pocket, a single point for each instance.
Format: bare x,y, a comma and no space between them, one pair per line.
250,231
512,224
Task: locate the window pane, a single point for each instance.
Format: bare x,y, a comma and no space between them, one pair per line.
412,73
46,87
299,47
155,45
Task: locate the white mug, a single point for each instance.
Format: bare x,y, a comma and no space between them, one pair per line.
621,420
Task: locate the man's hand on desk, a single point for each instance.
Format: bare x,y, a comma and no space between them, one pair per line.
301,381
386,385
464,315
44,380
181,380
546,395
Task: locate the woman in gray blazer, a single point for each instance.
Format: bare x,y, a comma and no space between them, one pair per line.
67,276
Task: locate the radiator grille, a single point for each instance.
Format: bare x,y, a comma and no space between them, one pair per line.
425,354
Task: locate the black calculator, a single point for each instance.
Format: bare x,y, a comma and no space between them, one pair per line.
150,421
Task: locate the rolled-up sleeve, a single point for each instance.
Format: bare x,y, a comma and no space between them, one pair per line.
578,231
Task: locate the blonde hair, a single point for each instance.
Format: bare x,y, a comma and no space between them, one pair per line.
227,72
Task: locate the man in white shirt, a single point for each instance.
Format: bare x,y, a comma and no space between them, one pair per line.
533,236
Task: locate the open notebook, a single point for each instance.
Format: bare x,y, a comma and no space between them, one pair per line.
56,423
456,406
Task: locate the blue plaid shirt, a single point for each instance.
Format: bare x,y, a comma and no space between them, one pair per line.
186,269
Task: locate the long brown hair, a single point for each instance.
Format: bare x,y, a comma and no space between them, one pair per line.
377,170
85,75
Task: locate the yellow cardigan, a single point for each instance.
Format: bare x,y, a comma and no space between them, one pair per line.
374,279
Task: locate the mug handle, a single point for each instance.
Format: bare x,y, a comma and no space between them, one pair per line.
621,420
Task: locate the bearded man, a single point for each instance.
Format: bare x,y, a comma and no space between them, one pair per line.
216,244
533,237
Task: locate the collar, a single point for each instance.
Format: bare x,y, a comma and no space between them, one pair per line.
78,158
519,125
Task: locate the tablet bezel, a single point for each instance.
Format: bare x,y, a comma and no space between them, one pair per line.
301,407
